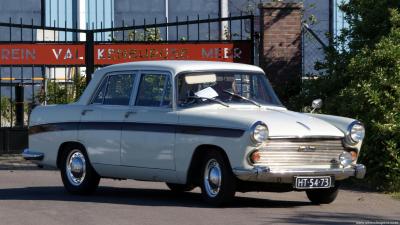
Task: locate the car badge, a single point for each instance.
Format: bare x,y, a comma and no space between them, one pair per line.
306,148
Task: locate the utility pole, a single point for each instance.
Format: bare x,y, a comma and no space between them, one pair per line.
167,19
224,13
331,21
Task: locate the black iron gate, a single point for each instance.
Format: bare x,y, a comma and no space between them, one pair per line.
50,65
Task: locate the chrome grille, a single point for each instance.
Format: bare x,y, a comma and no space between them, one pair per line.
278,153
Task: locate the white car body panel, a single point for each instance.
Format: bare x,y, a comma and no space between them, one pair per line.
133,147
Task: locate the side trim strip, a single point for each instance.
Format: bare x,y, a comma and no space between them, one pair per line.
143,127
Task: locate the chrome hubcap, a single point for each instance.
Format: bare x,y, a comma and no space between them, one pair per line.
76,167
212,178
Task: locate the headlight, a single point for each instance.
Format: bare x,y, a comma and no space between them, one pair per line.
355,133
259,132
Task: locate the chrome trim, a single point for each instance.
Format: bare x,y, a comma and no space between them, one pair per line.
253,127
287,153
263,173
27,154
304,137
360,171
76,167
348,140
212,178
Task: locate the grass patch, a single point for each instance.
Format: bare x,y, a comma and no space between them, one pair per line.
396,195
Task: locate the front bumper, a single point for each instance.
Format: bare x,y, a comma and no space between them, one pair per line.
265,174
28,154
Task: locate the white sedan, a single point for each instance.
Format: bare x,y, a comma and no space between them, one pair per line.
216,125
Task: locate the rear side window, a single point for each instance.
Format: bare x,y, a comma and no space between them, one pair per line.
115,90
154,90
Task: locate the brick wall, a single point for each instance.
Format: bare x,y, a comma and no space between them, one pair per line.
281,46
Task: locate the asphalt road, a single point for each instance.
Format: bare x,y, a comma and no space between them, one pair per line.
37,197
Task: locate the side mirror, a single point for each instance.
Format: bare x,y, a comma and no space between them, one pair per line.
316,104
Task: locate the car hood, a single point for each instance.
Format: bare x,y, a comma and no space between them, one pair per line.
280,122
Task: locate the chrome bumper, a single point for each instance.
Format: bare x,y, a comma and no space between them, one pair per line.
265,174
32,155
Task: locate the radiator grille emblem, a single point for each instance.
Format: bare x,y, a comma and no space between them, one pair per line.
306,148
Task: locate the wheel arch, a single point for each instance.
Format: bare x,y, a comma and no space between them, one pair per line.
63,148
194,172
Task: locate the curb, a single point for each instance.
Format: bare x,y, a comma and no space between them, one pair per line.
15,162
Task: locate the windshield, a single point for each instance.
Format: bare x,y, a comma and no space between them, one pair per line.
227,87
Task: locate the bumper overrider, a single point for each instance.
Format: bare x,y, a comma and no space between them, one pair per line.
29,154
265,174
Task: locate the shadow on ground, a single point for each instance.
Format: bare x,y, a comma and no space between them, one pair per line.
136,196
329,218
160,197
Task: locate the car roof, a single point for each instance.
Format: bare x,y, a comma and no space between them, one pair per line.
178,66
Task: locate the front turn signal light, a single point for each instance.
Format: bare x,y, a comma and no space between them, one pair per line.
255,157
354,155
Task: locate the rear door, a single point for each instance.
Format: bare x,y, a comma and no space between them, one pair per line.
101,120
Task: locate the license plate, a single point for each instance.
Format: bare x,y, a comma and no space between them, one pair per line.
313,182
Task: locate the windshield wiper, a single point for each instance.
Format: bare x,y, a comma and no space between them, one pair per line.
242,97
211,99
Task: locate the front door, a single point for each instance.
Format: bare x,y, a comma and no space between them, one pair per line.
148,134
101,120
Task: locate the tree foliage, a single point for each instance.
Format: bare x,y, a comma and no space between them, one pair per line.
5,109
362,80
63,93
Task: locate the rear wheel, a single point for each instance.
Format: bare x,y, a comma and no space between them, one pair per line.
323,196
77,174
178,188
218,184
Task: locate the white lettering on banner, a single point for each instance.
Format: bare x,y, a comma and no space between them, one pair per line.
221,53
100,53
17,54
67,55
57,55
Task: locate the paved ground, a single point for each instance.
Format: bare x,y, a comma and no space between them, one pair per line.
37,197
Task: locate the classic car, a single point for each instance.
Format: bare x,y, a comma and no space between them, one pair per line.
214,125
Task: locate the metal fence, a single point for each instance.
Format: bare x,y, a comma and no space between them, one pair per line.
313,51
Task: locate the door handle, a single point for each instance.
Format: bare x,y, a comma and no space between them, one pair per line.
127,114
85,111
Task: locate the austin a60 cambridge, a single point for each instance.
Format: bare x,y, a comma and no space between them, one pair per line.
214,125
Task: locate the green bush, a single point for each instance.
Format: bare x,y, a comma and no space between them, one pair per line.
5,109
61,93
364,83
374,98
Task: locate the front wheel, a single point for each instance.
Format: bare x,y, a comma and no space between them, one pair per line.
77,174
323,196
218,185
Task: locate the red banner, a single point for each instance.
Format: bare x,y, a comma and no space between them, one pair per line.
107,54
42,54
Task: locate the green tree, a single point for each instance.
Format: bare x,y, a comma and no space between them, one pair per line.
361,79
5,109
63,93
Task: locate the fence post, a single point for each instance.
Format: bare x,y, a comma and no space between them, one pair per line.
89,58
281,46
19,105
